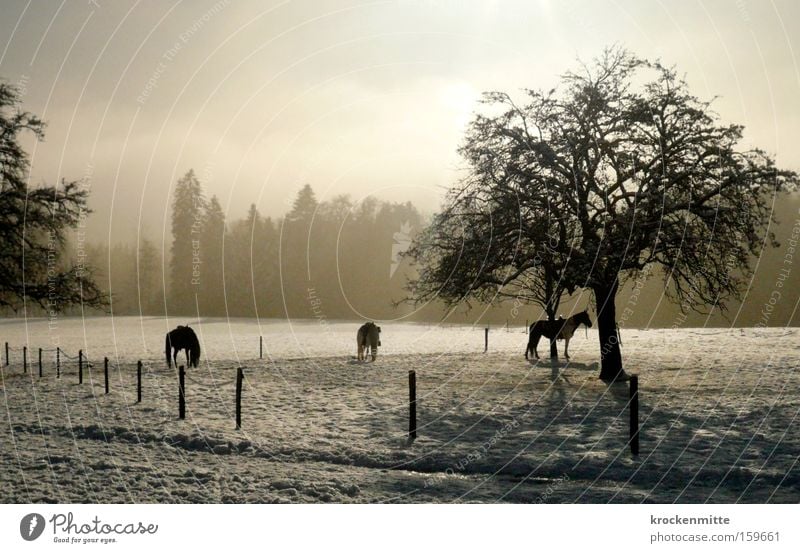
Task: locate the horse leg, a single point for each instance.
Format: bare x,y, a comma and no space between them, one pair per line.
535,342
566,348
528,347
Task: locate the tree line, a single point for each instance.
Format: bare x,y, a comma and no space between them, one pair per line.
336,259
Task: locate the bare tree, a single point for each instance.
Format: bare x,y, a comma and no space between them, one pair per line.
628,170
480,247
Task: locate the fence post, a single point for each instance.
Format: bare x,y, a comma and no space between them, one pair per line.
139,382
412,405
261,347
181,393
40,362
485,339
105,371
24,358
634,408
6,354
80,366
239,378
58,362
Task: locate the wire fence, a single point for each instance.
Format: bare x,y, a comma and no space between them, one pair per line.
62,360
82,361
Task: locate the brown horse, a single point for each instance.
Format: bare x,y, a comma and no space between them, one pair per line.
368,339
182,338
562,329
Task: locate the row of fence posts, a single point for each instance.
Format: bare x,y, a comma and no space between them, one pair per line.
80,368
412,390
25,359
181,379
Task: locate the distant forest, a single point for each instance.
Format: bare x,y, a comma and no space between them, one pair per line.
325,260
341,259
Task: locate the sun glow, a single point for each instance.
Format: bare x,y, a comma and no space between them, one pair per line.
460,100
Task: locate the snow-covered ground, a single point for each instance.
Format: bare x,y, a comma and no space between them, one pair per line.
719,417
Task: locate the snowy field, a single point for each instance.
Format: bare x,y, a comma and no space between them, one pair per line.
719,417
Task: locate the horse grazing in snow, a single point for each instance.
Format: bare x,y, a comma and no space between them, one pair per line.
182,338
368,339
562,329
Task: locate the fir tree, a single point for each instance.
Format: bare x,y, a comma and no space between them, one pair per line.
186,267
34,224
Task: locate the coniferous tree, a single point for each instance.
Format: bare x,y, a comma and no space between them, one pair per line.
212,285
150,287
294,247
265,271
186,264
34,224
238,267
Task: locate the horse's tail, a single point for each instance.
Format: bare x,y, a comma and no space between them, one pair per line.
529,346
167,349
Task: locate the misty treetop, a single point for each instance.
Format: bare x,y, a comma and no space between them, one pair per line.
34,272
188,212
330,259
618,169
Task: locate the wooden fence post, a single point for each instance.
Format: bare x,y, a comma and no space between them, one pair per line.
634,408
239,378
24,358
485,339
139,382
105,371
80,366
6,354
412,405
40,362
58,362
261,347
181,393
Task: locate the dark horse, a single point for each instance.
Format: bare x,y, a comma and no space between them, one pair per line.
562,329
182,337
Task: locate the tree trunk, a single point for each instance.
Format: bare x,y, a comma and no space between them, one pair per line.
552,309
610,355
551,316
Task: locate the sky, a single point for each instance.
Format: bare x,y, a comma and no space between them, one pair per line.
353,97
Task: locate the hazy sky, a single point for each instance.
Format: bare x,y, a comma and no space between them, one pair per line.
352,97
